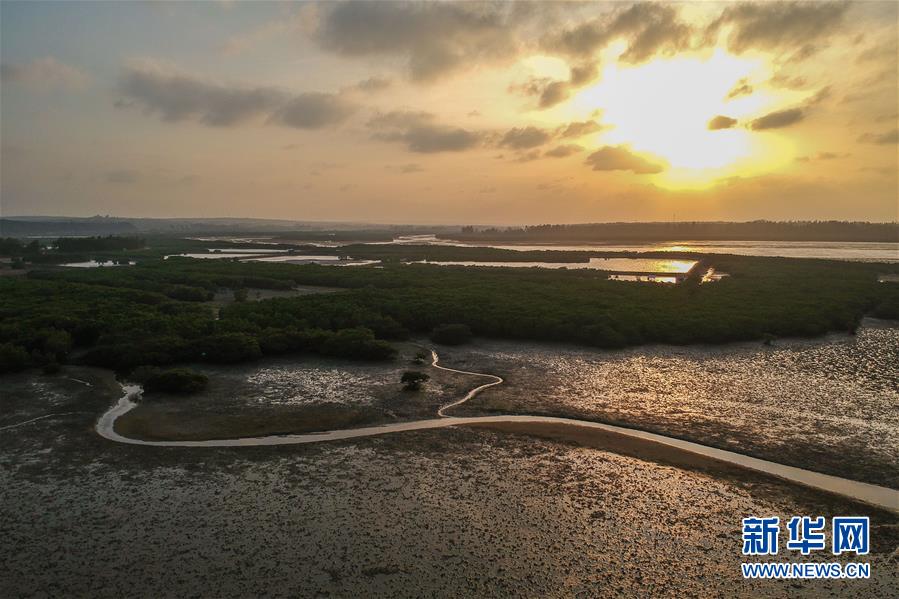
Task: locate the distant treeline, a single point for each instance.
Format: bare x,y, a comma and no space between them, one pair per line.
760,230
108,243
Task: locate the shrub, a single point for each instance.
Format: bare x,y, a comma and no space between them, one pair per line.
13,358
412,380
357,344
228,348
187,293
451,334
176,380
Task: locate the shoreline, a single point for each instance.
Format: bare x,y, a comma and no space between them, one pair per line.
645,445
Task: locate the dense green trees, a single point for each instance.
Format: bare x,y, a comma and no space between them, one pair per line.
451,334
154,313
175,380
412,380
110,242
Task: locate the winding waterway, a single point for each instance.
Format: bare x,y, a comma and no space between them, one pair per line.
872,494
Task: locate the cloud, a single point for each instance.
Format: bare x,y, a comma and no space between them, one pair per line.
742,88
314,111
887,137
721,122
564,150
434,38
583,73
407,169
647,28
373,84
176,96
419,132
547,91
779,25
523,138
786,81
620,158
554,93
44,73
578,129
778,119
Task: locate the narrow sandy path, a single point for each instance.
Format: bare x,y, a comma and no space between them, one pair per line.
872,494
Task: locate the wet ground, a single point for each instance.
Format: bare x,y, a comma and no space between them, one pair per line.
454,512
441,513
829,404
295,394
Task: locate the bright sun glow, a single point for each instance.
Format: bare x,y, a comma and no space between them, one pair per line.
662,109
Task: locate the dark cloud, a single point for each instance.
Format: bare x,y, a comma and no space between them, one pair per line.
721,122
431,139
547,91
314,111
419,132
823,156
178,97
778,119
554,93
887,137
528,156
620,158
583,73
647,28
400,119
564,150
742,88
550,92
373,84
435,38
524,138
783,26
578,129
786,81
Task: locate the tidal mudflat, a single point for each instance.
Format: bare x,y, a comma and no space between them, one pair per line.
830,405
444,513
294,395
458,511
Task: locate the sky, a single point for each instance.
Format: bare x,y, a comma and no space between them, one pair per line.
455,113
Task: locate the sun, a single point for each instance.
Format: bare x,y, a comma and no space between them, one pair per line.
662,109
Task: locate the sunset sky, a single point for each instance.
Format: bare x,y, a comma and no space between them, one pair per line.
494,113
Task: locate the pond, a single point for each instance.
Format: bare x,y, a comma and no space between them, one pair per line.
641,266
97,264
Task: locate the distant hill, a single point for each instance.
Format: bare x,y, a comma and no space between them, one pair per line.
56,226
686,231
41,228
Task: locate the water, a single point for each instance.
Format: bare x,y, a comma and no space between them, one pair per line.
857,251
219,256
830,404
323,260
624,265
833,250
96,264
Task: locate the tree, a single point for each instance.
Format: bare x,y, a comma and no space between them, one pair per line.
12,358
176,380
451,334
412,380
240,294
